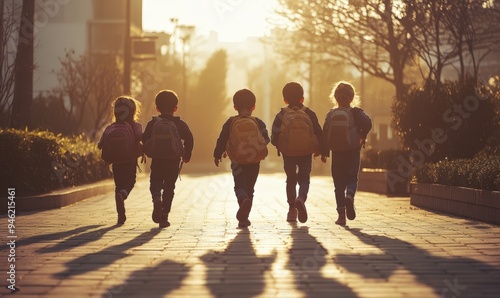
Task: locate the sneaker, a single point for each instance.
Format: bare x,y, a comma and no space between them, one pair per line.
157,210
292,215
244,211
120,206
164,224
301,209
341,220
349,207
164,221
244,223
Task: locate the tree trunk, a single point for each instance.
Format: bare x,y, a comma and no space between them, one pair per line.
23,86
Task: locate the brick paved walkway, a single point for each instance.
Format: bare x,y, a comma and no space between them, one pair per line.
391,250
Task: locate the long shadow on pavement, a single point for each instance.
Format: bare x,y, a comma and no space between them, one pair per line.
306,258
447,276
96,260
237,271
50,237
77,240
155,281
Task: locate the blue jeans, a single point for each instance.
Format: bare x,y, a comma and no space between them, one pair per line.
345,170
298,171
245,177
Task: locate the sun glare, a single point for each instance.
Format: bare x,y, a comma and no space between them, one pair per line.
231,20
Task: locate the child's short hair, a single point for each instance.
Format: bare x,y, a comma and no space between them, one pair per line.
166,101
244,99
293,92
343,93
126,108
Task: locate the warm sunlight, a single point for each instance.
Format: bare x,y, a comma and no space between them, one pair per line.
233,20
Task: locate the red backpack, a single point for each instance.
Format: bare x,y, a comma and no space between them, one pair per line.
118,143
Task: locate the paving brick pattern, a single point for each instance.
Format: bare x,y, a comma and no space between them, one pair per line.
391,250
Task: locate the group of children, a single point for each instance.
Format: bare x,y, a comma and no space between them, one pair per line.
296,133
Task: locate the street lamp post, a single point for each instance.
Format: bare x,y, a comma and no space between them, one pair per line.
127,52
186,32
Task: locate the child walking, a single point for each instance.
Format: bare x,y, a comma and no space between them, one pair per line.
296,134
244,139
344,133
168,141
121,146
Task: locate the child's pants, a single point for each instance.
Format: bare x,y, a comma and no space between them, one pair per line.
245,177
124,176
345,170
164,173
294,177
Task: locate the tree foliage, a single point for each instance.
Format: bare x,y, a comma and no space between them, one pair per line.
447,121
206,105
383,37
87,87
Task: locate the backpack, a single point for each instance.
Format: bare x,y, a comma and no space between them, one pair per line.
165,142
341,133
118,143
246,145
297,136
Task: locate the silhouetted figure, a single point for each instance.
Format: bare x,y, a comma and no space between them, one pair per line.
168,141
306,258
244,139
296,134
447,276
154,281
121,146
50,237
237,271
96,260
344,133
79,239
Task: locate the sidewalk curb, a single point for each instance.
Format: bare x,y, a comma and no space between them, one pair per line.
59,198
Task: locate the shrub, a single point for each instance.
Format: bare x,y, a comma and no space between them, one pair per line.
35,162
463,115
481,172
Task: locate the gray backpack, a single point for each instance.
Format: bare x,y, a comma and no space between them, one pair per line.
341,133
165,142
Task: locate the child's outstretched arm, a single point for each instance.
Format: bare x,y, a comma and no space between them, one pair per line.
187,136
263,130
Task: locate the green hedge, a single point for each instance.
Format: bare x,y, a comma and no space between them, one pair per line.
36,162
481,172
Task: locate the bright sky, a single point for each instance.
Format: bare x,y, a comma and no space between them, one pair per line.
233,20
